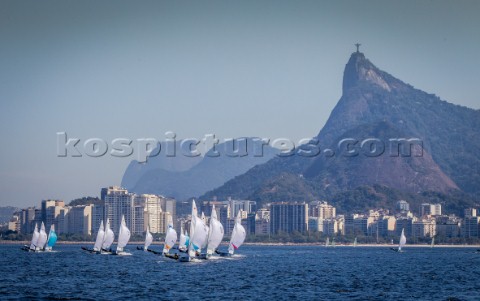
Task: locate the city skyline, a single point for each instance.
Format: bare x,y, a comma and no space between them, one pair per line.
122,70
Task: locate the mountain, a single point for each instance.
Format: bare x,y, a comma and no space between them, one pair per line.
375,105
213,170
136,170
6,213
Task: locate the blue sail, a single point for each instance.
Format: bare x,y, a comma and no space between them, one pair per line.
52,239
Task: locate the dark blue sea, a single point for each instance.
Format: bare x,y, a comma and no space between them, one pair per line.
256,273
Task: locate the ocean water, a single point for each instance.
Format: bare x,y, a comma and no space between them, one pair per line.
255,273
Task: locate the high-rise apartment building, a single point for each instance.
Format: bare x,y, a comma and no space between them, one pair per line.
289,217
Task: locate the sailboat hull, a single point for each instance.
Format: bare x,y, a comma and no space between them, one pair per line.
203,256
396,250
223,254
184,259
172,256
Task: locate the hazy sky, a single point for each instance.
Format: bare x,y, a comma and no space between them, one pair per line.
136,69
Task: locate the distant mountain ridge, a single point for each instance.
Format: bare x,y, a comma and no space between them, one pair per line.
374,104
158,176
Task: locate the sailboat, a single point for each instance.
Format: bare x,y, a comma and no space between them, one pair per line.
198,235
215,235
355,242
108,239
33,243
237,239
148,239
52,238
327,242
123,238
184,240
204,220
97,247
148,242
403,241
433,242
170,240
42,239
333,242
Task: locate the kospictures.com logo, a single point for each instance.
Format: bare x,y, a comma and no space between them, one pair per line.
142,148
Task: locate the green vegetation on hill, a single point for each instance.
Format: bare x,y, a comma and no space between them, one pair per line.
86,201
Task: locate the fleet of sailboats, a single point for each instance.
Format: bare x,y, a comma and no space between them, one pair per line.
40,240
200,237
190,245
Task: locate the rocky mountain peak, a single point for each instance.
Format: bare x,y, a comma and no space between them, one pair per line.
360,70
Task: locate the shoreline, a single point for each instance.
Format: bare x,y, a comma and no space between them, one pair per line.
14,242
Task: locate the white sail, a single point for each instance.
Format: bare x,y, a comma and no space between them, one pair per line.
355,242
403,240
191,247
148,239
204,220
199,235
123,236
238,235
109,236
170,237
327,242
35,236
182,244
42,238
99,240
215,234
433,242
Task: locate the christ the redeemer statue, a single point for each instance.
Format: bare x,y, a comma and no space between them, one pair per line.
358,46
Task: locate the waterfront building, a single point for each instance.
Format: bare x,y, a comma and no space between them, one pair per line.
340,224
448,226
98,215
27,220
262,222
404,223
14,224
245,205
430,209
322,210
384,226
289,217
118,202
79,219
148,212
424,228
51,211
469,212
470,227
402,205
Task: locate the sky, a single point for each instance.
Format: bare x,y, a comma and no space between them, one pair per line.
137,69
